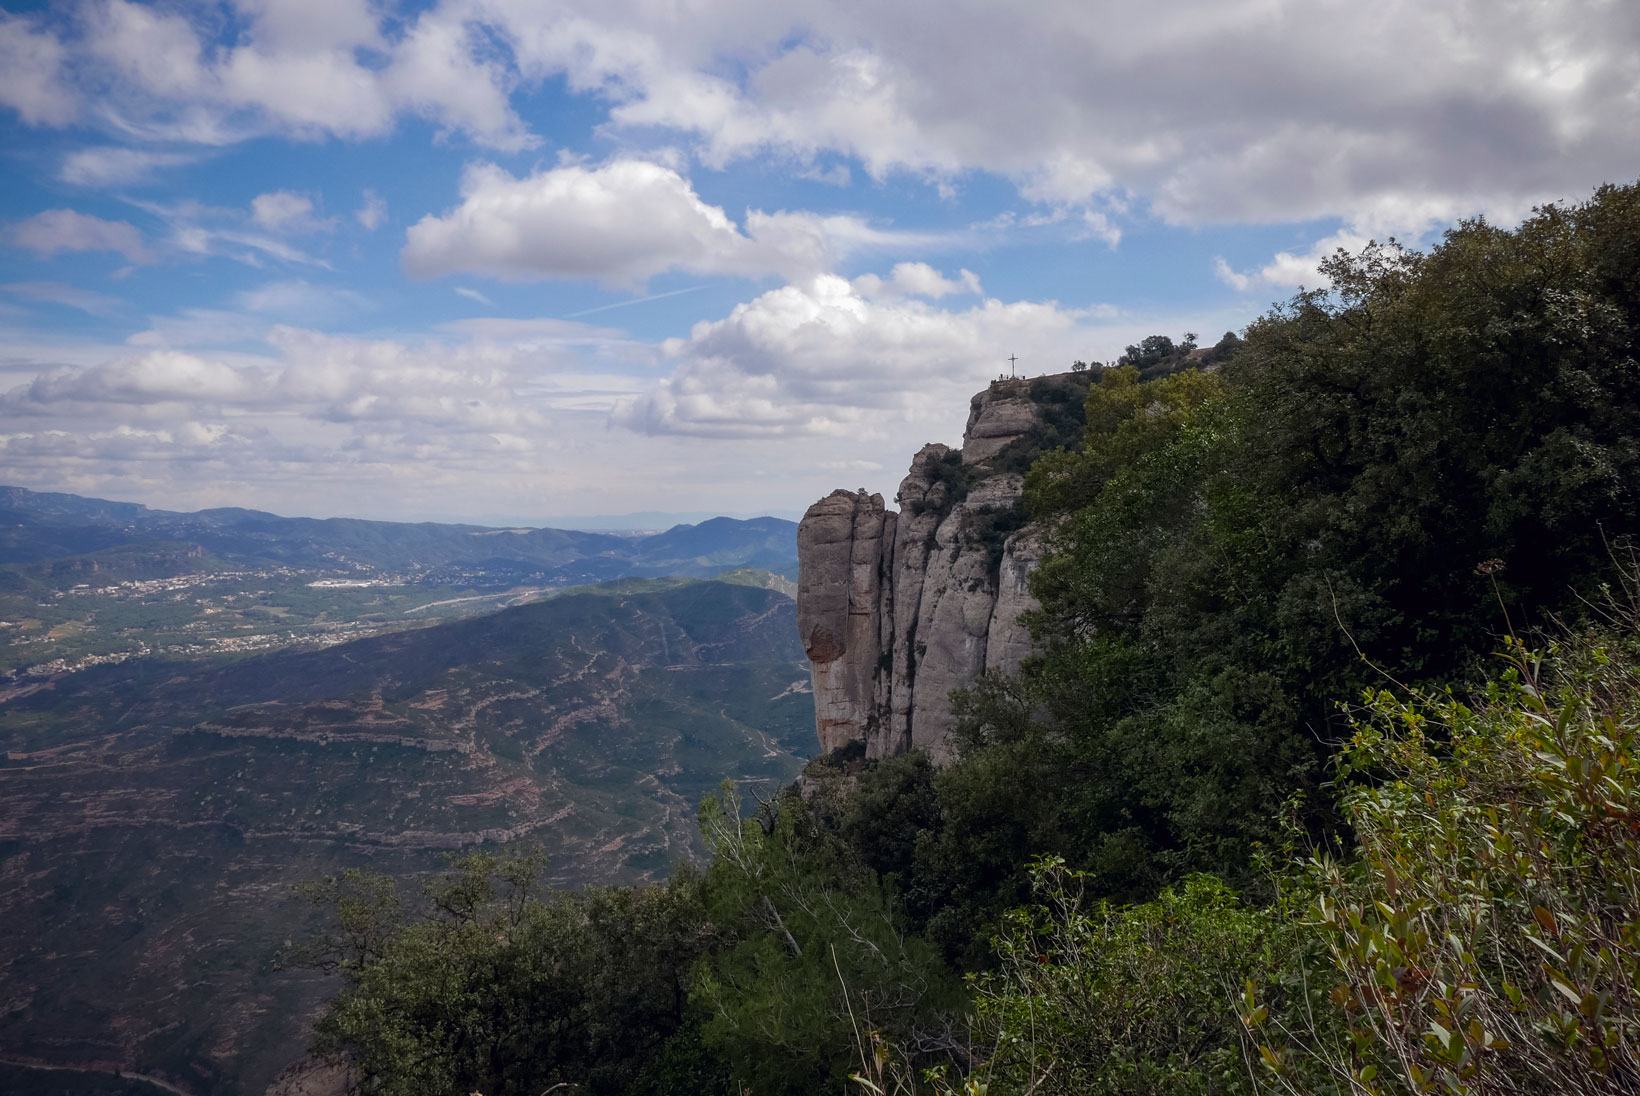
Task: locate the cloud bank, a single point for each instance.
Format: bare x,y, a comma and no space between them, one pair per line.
1207,111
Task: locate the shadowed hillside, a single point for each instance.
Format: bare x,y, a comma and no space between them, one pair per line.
154,814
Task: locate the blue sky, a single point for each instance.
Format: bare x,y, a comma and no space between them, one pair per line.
507,261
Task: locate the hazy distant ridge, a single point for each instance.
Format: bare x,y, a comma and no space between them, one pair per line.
37,527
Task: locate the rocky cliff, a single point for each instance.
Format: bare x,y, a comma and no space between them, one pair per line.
896,609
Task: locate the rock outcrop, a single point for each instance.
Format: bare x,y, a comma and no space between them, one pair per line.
897,609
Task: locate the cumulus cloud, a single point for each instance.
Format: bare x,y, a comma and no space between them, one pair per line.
621,223
1098,224
158,377
285,211
1214,112
58,230
513,416
916,280
1292,271
823,359
312,24
31,73
304,68
830,360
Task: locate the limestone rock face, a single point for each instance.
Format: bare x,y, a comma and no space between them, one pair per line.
838,593
996,417
898,609
1007,643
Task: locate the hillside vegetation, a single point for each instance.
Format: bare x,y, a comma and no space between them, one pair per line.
1263,814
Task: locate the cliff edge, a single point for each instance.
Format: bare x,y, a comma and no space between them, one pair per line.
896,609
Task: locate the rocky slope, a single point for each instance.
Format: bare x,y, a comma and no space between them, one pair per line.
896,609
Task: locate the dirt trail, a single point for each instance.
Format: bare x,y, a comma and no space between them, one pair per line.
123,1074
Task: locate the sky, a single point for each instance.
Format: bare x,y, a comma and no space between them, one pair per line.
509,260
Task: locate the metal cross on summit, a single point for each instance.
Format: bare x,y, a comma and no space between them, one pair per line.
1012,358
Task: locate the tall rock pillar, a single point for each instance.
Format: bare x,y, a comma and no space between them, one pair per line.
841,544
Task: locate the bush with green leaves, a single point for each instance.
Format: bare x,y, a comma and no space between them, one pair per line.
1095,999
808,944
502,987
1092,998
1485,936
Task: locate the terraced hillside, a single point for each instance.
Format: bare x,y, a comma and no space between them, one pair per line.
153,815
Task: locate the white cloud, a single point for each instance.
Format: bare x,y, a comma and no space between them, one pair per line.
151,51
824,360
313,24
1230,276
321,423
285,211
1210,111
439,71
157,377
295,299
243,235
97,304
1207,111
373,214
474,295
58,230
489,411
297,70
1098,224
621,223
246,247
109,166
835,175
916,280
875,374
199,327
1290,271
492,375
31,76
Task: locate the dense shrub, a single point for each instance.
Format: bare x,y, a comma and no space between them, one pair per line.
1094,999
502,987
808,943
1485,934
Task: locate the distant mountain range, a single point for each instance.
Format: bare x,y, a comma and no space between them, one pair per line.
636,521
64,536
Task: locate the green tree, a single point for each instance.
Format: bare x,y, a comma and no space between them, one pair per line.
504,988
812,949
